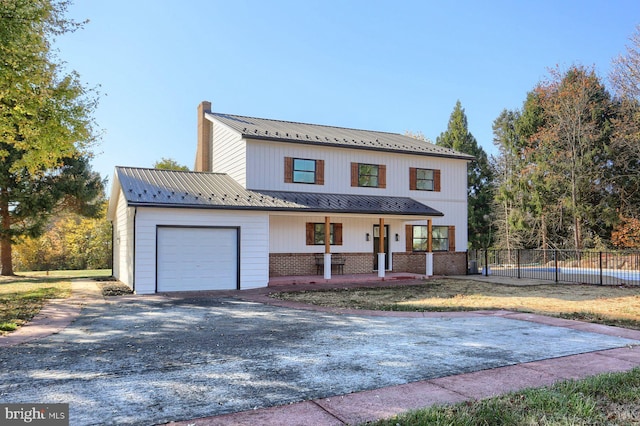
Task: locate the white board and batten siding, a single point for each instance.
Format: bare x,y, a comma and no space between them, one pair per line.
252,228
265,170
288,234
123,241
228,153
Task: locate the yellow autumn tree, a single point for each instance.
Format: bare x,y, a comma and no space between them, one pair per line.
71,241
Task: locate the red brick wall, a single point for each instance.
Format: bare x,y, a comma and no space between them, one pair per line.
450,263
293,264
444,263
415,263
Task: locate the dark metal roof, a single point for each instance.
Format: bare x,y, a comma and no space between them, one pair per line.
171,188
315,134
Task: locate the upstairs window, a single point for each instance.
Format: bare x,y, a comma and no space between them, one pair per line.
368,175
302,170
424,179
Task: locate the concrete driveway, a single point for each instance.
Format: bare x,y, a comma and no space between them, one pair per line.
150,359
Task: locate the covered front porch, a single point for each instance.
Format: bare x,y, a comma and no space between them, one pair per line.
323,236
355,246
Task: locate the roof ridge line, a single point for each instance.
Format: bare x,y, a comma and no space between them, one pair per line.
170,170
312,124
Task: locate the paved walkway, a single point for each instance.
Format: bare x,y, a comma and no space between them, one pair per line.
358,407
57,314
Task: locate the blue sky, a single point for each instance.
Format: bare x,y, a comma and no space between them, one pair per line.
379,65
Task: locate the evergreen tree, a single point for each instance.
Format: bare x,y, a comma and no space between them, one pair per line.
507,167
479,178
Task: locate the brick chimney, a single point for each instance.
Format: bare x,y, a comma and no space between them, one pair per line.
203,151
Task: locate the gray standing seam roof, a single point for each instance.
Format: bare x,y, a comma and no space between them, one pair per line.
170,188
315,134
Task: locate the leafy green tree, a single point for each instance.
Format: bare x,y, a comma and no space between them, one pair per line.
479,178
559,180
169,164
46,125
575,141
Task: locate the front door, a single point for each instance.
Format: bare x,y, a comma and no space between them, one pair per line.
376,245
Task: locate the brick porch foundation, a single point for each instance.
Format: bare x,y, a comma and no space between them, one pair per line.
293,264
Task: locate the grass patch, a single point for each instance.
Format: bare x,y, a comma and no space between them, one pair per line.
610,305
21,298
85,273
612,398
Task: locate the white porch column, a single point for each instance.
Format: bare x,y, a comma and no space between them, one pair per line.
381,253
429,268
327,248
327,266
381,258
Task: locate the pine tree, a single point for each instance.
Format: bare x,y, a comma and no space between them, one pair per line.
479,178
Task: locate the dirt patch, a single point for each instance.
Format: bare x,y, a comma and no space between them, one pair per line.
608,302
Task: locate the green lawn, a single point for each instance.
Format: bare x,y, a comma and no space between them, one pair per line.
607,399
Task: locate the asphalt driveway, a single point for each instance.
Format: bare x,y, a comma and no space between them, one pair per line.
147,360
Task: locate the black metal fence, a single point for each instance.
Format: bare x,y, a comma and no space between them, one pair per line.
578,266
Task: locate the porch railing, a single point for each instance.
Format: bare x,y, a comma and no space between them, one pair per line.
578,266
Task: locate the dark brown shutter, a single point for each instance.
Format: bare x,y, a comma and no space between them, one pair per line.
319,172
337,234
354,174
408,229
413,178
288,170
436,180
452,238
382,176
310,232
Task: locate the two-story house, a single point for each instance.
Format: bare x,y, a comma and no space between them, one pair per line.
273,198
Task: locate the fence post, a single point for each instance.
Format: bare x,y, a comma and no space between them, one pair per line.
518,261
486,262
600,267
555,258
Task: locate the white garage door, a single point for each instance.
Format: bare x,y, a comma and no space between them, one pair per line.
197,259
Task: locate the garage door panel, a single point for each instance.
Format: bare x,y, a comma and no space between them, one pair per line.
192,259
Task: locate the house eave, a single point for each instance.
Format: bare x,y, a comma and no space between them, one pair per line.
284,209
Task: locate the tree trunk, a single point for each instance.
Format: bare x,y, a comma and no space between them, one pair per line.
5,236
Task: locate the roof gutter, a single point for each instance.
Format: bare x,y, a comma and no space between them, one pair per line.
281,209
